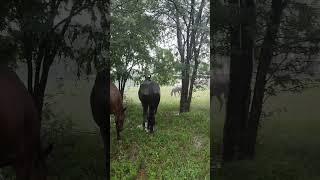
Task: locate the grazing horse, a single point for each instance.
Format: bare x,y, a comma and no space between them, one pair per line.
98,97
175,90
149,95
105,101
116,108
220,87
20,125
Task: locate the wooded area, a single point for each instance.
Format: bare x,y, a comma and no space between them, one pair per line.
271,45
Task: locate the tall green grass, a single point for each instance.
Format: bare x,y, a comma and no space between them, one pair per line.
179,148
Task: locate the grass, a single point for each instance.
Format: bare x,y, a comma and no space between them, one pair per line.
179,149
288,145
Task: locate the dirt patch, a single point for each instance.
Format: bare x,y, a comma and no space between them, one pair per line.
134,152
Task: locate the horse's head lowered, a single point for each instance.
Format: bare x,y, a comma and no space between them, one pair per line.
121,119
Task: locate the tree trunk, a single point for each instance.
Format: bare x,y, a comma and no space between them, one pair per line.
248,37
264,63
241,60
28,55
233,110
184,92
212,62
188,43
123,86
30,76
40,85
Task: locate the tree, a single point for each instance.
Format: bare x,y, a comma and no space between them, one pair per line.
242,43
286,41
268,46
134,33
46,31
188,21
44,38
165,68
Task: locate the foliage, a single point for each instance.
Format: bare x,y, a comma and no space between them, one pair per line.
297,44
45,31
134,33
164,68
187,22
297,47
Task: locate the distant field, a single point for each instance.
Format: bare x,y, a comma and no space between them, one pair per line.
179,149
288,147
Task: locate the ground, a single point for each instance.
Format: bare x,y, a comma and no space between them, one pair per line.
288,145
179,149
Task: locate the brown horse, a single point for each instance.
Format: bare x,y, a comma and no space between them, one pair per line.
19,129
116,108
102,105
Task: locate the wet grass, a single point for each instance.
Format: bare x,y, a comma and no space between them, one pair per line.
179,149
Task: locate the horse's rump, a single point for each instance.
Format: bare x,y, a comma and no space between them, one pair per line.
19,125
148,88
116,103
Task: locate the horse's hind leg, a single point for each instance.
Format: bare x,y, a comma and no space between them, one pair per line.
157,104
145,114
153,112
151,118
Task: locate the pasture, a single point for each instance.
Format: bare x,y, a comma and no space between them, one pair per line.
288,143
179,148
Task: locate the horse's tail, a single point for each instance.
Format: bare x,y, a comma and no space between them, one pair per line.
172,92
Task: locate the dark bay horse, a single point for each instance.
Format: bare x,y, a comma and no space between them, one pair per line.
220,88
149,95
175,90
20,144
